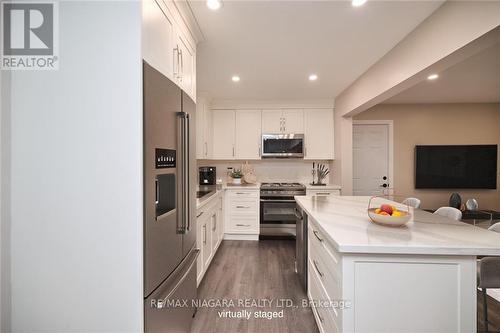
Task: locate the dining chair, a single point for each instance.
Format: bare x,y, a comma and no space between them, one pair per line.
449,212
488,276
412,202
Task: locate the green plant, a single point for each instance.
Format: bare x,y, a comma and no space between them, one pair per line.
237,174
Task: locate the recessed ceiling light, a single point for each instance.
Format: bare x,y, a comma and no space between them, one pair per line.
432,77
214,4
235,78
358,3
313,77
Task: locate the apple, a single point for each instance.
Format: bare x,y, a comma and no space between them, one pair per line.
387,208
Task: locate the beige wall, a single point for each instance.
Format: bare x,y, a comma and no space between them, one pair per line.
416,124
455,31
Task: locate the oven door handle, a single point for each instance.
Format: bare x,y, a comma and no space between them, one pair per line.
276,200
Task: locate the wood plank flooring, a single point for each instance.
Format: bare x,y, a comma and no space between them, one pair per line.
265,270
253,270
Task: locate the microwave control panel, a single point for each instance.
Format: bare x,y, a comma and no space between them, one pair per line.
164,158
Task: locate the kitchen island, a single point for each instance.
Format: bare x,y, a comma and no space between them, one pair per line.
363,277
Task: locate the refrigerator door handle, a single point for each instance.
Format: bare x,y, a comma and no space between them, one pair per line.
187,167
184,170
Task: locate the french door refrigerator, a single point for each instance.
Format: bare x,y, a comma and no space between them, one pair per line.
169,205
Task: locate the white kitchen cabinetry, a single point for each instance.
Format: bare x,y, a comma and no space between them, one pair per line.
248,134
184,64
242,214
293,121
272,121
223,134
166,47
209,233
283,121
318,133
203,129
322,192
157,37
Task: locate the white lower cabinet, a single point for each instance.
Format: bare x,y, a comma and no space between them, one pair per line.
386,292
322,192
242,214
209,232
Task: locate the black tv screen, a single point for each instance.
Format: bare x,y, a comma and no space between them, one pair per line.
460,167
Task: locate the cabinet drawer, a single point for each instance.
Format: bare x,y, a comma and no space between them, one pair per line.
243,207
243,194
324,314
328,271
323,193
240,224
331,256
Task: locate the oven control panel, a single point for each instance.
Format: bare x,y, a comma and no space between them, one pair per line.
165,158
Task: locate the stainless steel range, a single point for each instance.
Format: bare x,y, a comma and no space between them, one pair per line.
277,208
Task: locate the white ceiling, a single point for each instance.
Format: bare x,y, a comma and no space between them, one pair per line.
475,80
274,45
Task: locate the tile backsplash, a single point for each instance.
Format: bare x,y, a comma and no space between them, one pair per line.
272,170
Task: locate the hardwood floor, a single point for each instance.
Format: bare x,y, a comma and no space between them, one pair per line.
255,271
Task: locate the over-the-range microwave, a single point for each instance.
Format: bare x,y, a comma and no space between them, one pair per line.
282,145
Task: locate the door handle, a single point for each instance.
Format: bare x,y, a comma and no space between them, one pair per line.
242,225
199,214
183,139
241,207
215,223
315,232
205,234
186,174
317,269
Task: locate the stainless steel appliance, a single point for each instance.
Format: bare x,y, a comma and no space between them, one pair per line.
301,247
169,204
277,208
207,175
282,145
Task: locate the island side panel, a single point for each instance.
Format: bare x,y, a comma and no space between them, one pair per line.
409,293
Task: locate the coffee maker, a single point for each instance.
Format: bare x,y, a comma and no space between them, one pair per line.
207,175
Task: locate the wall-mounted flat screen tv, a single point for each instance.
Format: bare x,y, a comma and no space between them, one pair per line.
459,167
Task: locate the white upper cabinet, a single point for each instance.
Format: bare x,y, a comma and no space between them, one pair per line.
203,129
283,121
248,134
157,37
223,144
318,135
184,64
166,46
293,121
272,121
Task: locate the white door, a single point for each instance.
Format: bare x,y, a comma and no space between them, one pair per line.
272,121
370,159
294,121
248,136
223,134
318,132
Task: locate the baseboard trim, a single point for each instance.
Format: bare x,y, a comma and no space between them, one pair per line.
241,237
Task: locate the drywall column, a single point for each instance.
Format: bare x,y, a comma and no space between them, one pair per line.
76,177
454,32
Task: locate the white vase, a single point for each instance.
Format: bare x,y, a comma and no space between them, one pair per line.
237,181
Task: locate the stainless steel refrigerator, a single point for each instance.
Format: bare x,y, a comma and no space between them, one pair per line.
169,205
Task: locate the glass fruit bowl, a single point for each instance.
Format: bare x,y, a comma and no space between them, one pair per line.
388,213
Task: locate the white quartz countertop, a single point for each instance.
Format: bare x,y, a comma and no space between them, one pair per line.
345,224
